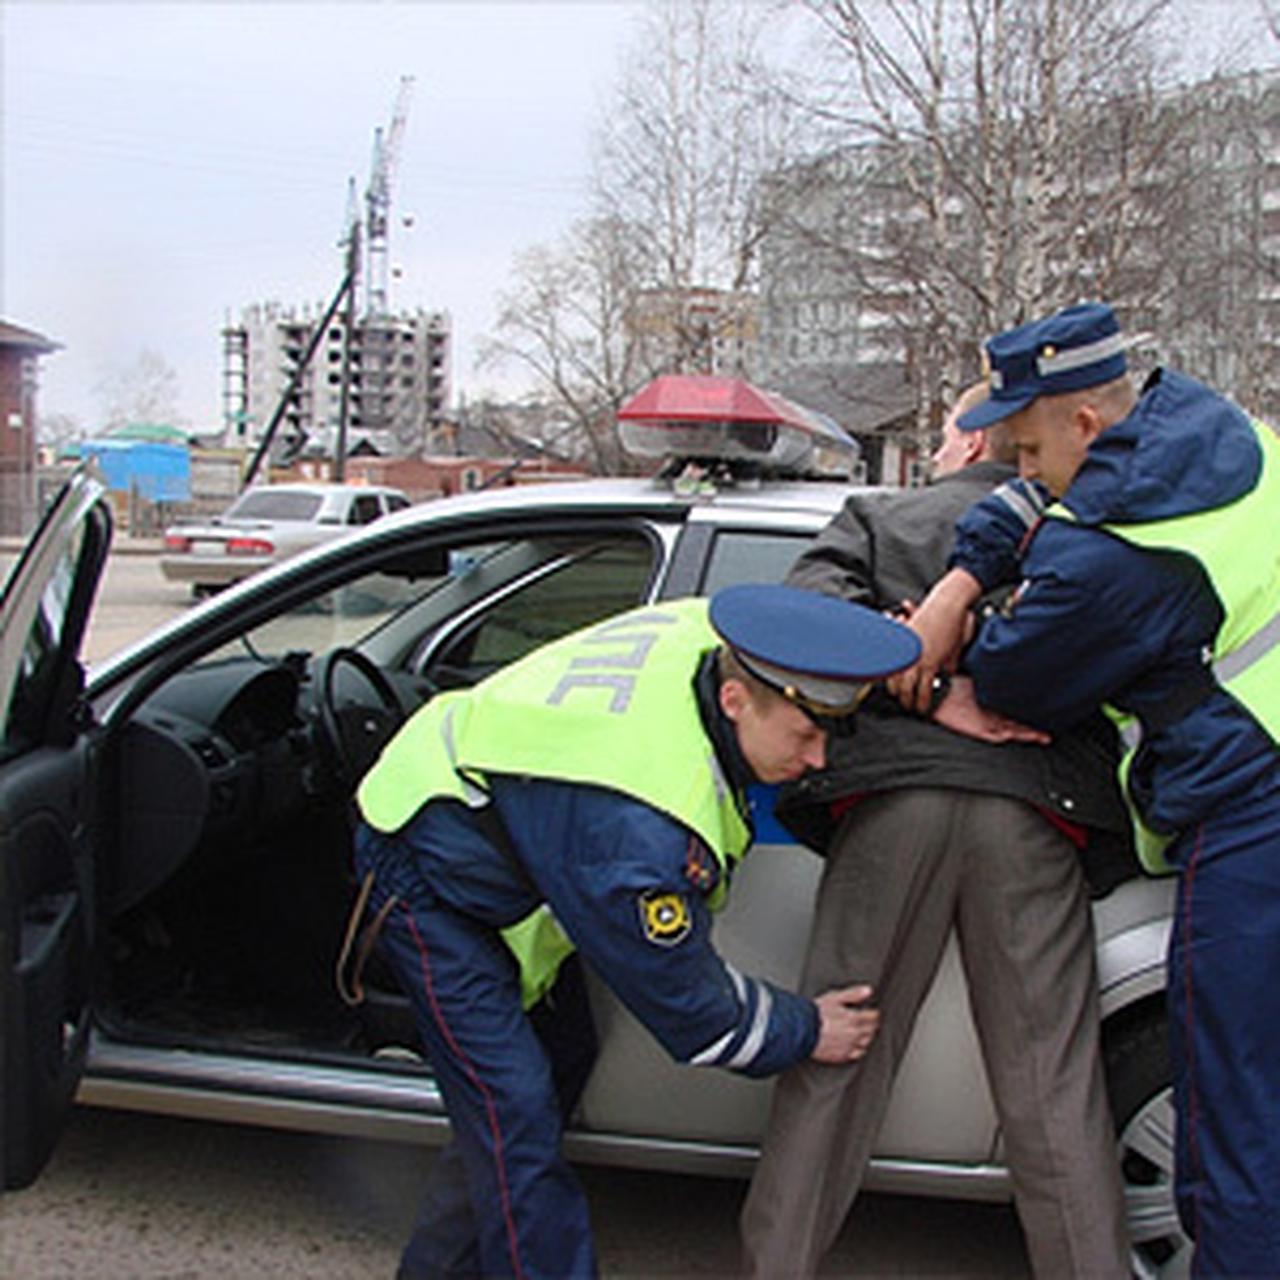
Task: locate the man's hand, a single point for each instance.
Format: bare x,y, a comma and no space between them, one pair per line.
845,1026
961,712
944,624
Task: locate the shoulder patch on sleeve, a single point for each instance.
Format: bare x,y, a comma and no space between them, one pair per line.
700,866
664,918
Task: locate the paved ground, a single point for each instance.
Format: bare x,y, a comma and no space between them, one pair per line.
145,1198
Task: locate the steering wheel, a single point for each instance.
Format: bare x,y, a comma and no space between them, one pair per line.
353,733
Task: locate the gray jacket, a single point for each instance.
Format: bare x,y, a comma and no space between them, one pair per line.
884,547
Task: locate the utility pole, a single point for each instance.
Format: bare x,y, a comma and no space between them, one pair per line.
299,371
348,329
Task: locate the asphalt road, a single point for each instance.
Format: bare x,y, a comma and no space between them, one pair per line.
134,1196
142,1197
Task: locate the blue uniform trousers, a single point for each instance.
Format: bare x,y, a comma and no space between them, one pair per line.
502,1200
1224,1007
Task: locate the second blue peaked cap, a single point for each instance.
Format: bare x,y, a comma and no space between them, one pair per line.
1078,347
816,650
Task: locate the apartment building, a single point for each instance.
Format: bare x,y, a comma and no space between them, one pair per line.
1187,250
395,392
697,330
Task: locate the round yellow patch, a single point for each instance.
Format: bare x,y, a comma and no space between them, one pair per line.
665,918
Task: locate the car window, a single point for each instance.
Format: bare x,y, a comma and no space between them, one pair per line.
396,502
751,555
40,649
345,615
585,585
276,504
365,509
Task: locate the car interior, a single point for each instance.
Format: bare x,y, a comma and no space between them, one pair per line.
230,888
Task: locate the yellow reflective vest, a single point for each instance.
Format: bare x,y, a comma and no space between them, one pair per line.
1238,547
611,706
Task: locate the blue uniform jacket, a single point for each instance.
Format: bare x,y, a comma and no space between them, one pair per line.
628,884
1096,620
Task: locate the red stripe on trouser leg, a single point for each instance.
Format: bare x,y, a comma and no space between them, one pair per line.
491,1111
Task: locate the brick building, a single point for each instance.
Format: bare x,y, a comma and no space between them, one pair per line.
20,352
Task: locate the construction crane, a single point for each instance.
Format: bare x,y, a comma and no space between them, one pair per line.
377,201
386,150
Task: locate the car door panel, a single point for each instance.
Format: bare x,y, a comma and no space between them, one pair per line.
48,899
46,909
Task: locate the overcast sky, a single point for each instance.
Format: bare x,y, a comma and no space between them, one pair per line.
166,164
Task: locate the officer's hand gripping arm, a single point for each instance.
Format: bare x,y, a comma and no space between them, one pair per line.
944,624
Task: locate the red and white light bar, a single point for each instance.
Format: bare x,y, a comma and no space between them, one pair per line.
708,418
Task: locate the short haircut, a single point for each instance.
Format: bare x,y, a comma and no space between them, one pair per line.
729,667
971,397
1001,446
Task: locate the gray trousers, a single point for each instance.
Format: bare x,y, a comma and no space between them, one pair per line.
905,867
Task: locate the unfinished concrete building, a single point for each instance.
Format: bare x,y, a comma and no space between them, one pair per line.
395,391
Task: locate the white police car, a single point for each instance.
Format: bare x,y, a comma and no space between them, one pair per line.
174,861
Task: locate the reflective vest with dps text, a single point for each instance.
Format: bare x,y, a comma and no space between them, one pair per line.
611,706
1238,548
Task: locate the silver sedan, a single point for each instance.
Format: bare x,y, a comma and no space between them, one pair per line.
268,524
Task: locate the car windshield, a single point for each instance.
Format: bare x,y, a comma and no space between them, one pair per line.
348,614
276,504
563,583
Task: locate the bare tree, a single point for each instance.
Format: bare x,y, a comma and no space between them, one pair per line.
59,429
144,391
993,160
568,322
695,122
1270,12
663,271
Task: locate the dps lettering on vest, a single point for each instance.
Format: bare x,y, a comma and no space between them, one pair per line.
612,706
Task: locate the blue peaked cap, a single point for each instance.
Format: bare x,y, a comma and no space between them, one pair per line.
1079,347
803,643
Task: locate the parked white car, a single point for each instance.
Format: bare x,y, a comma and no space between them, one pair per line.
175,847
267,524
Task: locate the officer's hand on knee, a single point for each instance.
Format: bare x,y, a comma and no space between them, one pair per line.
846,1025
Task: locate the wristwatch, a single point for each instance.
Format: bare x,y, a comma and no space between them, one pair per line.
938,691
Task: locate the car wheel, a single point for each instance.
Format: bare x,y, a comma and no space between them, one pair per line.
1139,1082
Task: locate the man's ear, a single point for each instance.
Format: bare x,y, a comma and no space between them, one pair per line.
733,697
1088,422
975,444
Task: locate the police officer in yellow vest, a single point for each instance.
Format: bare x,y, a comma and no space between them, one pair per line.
592,796
1152,586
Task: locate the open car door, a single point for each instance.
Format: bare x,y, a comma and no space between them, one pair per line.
48,831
